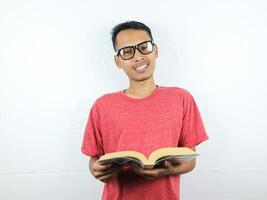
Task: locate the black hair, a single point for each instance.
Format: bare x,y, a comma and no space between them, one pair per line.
128,25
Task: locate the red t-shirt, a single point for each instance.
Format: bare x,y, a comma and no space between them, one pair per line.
168,117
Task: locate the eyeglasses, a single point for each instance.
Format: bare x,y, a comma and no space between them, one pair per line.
127,53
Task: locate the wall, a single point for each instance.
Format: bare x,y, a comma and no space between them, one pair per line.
56,58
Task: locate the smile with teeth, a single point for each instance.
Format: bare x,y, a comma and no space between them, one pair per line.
141,68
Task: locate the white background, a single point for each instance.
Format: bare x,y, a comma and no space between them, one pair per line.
56,58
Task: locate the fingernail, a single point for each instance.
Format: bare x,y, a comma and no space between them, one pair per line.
166,163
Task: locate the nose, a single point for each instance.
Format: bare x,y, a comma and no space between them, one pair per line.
138,56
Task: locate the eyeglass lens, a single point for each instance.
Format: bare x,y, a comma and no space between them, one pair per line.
144,48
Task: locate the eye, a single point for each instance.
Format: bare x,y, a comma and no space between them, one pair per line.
127,51
146,47
143,47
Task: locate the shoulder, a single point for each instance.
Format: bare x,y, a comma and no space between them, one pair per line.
176,91
107,99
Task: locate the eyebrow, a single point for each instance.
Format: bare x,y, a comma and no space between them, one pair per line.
133,45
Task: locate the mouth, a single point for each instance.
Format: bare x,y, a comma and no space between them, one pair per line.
141,68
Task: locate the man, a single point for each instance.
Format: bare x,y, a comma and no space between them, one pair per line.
143,117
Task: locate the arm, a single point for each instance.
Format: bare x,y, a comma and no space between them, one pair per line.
169,169
103,172
185,167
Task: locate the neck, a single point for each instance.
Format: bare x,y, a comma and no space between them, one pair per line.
140,89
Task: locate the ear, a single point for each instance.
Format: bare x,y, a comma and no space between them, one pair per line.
117,61
156,50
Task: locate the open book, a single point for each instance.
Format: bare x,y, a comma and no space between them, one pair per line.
174,154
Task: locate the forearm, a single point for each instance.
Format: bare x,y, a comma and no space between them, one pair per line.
184,167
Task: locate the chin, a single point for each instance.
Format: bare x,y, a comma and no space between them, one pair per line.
142,78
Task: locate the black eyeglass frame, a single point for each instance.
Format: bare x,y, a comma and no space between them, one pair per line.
135,47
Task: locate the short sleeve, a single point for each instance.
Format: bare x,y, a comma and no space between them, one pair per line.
92,141
193,131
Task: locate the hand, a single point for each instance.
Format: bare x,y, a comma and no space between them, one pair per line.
103,171
167,169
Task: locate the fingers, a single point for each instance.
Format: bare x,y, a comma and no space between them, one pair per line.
97,166
151,174
135,166
111,170
107,177
175,162
104,172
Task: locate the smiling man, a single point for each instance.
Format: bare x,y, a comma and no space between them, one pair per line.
143,117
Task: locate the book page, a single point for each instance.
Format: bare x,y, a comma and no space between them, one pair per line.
177,159
122,155
180,153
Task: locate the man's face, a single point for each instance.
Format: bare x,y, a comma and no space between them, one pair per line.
140,67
